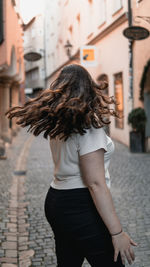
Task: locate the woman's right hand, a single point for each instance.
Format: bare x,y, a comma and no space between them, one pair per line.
123,244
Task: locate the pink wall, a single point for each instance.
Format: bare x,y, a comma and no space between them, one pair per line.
113,58
113,48
12,40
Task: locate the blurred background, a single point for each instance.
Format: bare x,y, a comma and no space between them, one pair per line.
37,38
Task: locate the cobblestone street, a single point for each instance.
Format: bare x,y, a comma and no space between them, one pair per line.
26,238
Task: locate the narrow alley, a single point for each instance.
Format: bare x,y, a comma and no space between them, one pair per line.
26,238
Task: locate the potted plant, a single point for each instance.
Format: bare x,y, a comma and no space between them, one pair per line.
137,119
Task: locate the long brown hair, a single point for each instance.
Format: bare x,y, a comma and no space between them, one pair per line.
72,104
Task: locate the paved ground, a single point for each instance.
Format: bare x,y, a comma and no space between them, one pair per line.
130,189
7,168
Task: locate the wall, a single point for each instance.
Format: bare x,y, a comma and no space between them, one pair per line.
12,47
141,48
11,70
112,59
77,21
34,42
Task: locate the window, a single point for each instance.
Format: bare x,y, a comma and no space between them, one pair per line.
116,5
32,75
102,12
118,86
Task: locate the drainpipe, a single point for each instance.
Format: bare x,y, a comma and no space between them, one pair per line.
130,56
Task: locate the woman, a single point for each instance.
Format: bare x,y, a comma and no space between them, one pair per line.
78,205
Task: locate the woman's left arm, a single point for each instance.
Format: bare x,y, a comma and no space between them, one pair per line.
93,174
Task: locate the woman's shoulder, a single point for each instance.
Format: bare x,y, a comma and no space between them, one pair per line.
92,140
93,132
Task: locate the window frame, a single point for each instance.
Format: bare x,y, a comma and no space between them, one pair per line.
33,74
115,9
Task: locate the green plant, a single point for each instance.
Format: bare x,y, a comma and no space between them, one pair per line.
137,119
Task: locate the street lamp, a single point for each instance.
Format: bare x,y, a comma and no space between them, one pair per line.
68,47
130,53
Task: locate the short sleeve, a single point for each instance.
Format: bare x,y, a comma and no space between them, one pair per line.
92,140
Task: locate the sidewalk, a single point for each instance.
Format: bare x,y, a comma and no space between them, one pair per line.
26,238
10,200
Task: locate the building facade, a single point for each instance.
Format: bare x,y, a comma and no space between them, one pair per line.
11,68
141,63
99,23
34,49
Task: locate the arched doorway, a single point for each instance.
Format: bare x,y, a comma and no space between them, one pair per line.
145,96
101,78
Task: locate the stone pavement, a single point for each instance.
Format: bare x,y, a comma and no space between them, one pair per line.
8,233
26,238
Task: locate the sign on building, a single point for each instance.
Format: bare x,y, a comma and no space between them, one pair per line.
136,33
88,56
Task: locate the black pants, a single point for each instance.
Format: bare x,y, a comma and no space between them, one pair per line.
78,229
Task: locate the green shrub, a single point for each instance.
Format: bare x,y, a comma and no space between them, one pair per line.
137,119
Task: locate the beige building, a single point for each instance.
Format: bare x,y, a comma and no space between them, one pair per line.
11,67
100,23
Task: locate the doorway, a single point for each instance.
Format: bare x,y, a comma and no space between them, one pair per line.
104,78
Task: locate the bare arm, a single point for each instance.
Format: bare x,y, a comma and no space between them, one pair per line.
93,173
92,168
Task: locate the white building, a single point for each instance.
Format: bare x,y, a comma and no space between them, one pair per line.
34,49
100,23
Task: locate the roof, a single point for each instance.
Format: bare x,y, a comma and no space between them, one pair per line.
26,26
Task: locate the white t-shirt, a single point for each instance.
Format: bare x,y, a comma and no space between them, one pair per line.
65,155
